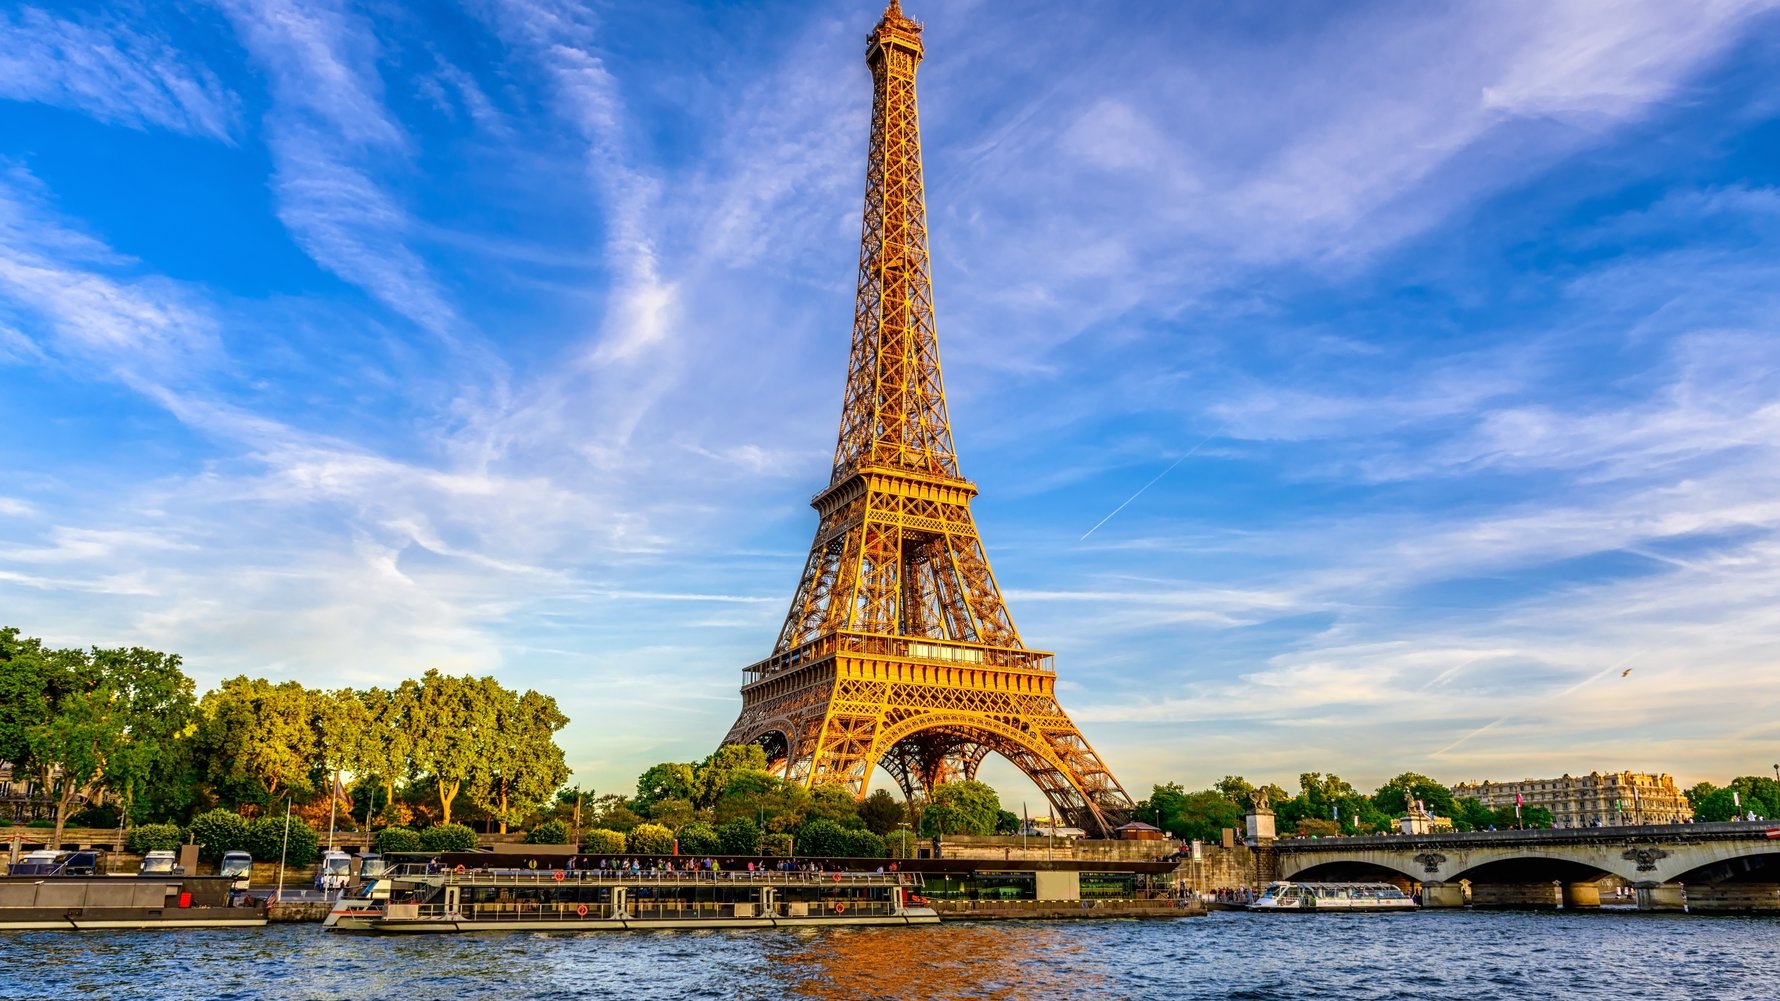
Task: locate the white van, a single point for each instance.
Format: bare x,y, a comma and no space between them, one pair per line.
239,865
334,872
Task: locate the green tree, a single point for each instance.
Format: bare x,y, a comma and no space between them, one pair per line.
739,837
650,839
699,839
1759,793
881,812
154,701
673,813
668,780
1393,797
614,813
1236,789
218,831
713,775
522,763
836,803
343,732
776,845
900,844
257,740
759,796
1471,814
1698,793
389,741
452,720
964,807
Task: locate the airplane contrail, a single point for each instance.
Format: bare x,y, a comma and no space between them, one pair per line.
1604,672
1165,472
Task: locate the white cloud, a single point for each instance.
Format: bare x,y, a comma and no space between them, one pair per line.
113,72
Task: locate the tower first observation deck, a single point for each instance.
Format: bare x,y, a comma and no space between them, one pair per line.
898,650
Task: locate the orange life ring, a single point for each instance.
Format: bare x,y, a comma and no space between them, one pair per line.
581,911
559,875
459,870
837,877
840,908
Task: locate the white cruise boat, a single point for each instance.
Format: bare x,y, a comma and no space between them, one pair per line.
1301,897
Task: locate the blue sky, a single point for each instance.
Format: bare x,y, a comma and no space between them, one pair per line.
1423,355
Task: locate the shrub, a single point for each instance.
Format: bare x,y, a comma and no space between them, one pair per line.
739,837
266,841
42,825
698,838
603,842
775,844
153,838
650,839
864,844
398,839
447,838
550,832
217,832
823,838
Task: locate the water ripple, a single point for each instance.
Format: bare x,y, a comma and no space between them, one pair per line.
1424,956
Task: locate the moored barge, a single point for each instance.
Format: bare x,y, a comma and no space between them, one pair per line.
596,900
83,903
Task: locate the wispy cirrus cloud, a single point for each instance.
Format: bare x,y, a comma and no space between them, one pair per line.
331,136
114,71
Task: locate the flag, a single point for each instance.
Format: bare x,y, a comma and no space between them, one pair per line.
1517,799
1337,811
1773,832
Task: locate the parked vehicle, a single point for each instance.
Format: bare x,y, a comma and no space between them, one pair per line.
334,872
43,862
161,863
237,865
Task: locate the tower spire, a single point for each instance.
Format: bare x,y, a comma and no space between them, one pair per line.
898,650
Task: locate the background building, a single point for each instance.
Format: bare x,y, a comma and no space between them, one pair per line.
1592,799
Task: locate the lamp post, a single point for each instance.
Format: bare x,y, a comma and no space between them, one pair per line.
282,852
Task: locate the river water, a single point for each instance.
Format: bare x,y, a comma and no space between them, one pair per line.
1426,956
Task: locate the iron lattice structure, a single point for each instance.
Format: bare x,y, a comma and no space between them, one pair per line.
898,650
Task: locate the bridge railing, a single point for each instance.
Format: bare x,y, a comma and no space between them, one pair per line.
1731,830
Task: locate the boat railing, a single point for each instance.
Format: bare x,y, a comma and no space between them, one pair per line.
647,910
611,877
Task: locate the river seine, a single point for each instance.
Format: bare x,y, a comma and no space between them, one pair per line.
1426,956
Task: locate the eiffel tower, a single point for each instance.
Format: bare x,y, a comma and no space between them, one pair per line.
898,651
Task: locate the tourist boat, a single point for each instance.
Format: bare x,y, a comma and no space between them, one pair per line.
173,900
418,902
1288,896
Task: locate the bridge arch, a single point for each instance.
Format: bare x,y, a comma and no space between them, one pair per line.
1356,871
1747,864
1530,868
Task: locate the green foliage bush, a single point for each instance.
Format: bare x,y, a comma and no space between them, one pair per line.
698,838
42,825
448,838
864,844
822,837
600,841
265,841
153,838
398,839
219,831
550,832
650,839
776,845
739,837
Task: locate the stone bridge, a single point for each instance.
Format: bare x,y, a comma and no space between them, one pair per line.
1699,867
